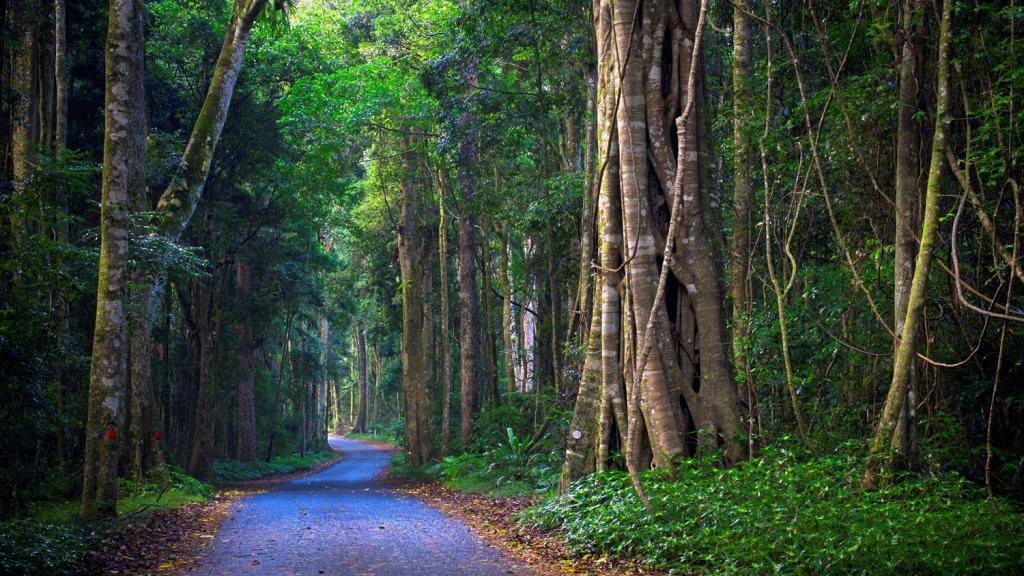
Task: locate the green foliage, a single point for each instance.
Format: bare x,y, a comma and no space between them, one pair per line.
226,471
28,547
506,470
391,432
52,539
787,513
492,426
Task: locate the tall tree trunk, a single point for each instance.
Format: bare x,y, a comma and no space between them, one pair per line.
25,105
506,313
375,411
469,308
662,413
145,437
360,342
907,197
580,322
303,397
740,264
644,81
490,346
60,137
286,345
145,443
414,354
208,321
446,345
178,202
555,304
336,387
246,441
323,399
885,449
123,174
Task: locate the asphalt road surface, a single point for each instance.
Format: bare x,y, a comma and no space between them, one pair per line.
340,521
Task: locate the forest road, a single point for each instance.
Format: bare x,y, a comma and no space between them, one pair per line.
341,521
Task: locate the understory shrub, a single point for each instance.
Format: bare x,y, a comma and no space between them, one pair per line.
52,539
788,513
507,469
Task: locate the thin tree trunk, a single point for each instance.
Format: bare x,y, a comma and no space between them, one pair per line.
123,174
907,198
60,139
360,343
885,452
490,346
376,386
324,401
580,322
286,343
740,265
446,346
506,313
246,441
469,308
208,324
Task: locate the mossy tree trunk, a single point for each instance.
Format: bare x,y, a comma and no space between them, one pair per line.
123,175
886,451
415,362
23,15
176,206
907,199
740,264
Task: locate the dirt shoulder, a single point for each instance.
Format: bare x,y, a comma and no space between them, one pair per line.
494,519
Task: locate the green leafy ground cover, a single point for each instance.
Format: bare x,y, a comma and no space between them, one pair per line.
228,471
52,539
505,470
788,513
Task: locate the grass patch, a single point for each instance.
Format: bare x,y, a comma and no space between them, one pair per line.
374,436
52,539
228,471
791,514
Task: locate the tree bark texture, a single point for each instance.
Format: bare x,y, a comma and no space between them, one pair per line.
246,440
643,57
123,173
469,306
885,450
415,363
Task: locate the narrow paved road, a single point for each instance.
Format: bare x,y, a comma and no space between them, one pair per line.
340,521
